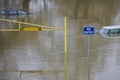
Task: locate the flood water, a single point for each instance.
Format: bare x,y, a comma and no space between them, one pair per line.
40,55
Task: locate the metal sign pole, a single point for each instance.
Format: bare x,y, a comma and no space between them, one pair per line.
88,30
88,57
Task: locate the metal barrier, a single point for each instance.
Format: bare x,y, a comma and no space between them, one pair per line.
40,28
36,27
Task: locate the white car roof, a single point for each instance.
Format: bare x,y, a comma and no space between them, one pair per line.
112,27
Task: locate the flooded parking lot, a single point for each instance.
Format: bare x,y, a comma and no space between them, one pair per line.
40,55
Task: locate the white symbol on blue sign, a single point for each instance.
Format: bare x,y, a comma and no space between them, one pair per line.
88,30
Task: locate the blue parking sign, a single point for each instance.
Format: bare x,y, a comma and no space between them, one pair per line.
88,30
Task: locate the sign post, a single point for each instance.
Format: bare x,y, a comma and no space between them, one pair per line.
88,30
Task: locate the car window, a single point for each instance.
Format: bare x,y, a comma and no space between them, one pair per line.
22,12
114,31
12,12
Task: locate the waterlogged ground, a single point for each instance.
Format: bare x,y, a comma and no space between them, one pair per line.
40,55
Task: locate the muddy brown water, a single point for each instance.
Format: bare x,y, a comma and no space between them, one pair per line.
40,55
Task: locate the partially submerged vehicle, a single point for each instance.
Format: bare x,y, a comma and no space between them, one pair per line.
110,31
9,12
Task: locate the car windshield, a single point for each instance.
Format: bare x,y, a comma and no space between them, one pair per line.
104,31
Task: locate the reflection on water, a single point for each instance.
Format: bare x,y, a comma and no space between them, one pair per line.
39,55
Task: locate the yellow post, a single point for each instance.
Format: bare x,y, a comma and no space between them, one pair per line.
42,27
65,49
19,25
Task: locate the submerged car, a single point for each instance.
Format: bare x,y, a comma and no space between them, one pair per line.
9,12
110,31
